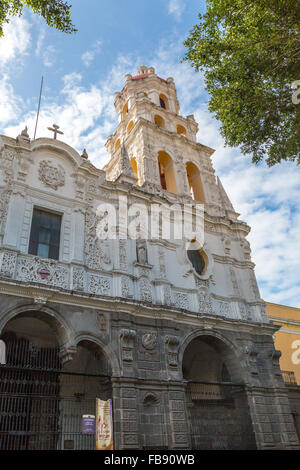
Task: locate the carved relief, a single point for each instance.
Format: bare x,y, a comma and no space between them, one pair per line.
167,296
8,264
51,175
126,287
97,251
225,310
251,354
162,263
78,279
149,341
123,254
99,285
127,339
203,294
141,252
4,201
102,322
145,289
181,300
172,345
7,158
31,270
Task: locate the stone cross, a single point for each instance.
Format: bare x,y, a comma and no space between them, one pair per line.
55,130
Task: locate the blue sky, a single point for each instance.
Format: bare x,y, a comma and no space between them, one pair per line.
83,71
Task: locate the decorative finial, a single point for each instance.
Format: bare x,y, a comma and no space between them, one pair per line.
85,154
55,131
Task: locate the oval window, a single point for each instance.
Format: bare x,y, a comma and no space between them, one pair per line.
197,260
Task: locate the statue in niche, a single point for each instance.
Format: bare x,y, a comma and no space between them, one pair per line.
141,249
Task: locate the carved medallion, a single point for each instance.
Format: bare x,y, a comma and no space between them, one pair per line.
51,175
149,341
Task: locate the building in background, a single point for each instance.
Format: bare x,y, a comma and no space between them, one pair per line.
173,331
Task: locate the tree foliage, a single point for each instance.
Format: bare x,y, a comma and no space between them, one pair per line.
249,51
57,13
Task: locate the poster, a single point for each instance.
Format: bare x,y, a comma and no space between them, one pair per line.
88,424
104,425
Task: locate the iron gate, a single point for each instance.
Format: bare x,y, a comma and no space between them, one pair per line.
214,419
41,405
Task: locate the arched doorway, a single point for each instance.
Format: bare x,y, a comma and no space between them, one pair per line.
43,401
217,406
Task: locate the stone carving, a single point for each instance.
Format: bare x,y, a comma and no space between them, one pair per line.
246,249
150,399
145,290
99,285
4,201
29,270
127,338
123,254
78,279
204,298
149,341
40,300
167,296
225,310
51,175
7,158
274,357
8,264
66,353
97,251
141,251
254,285
102,322
172,345
235,285
181,300
126,287
251,354
162,263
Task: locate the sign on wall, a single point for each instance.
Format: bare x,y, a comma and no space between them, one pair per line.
88,424
104,425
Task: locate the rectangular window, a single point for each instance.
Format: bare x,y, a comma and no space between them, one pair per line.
45,234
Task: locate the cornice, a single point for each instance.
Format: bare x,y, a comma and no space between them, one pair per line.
135,308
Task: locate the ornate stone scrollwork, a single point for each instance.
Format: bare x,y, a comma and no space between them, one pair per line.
145,289
8,264
51,175
127,338
34,269
172,344
78,279
204,298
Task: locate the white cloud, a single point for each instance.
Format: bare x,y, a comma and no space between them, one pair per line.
88,56
16,40
176,8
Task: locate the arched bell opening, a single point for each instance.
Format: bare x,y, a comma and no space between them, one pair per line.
43,401
195,183
166,171
217,405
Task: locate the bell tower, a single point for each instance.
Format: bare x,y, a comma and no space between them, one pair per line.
155,147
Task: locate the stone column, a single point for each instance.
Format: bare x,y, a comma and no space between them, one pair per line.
179,423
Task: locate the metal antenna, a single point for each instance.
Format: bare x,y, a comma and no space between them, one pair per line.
38,113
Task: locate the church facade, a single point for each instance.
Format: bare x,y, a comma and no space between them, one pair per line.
172,330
